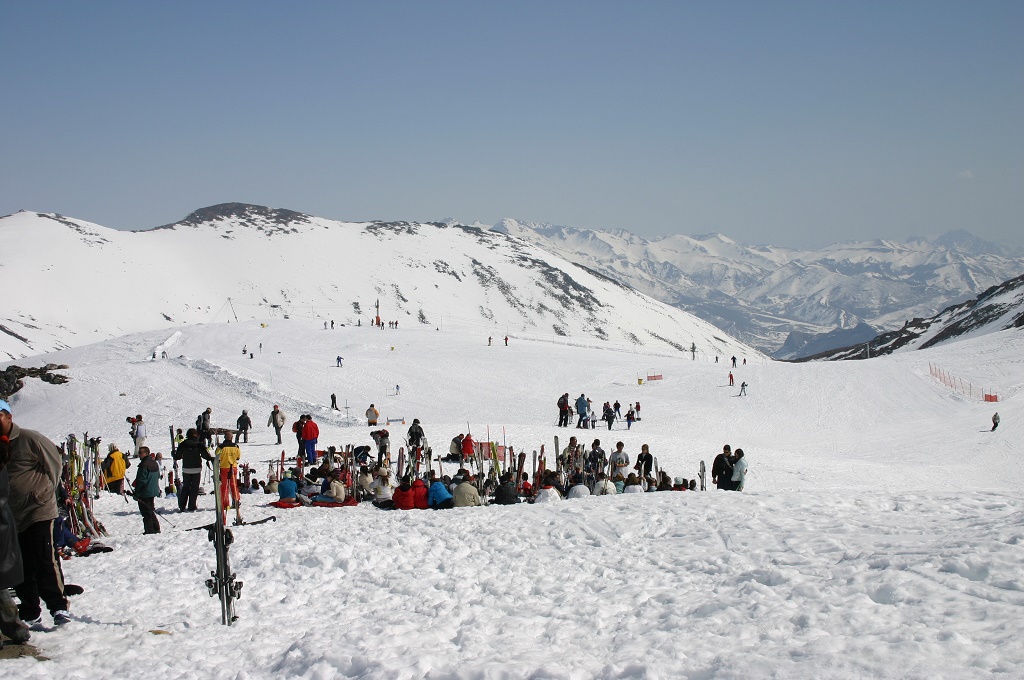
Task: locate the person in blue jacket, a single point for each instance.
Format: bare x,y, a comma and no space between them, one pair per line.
438,497
287,488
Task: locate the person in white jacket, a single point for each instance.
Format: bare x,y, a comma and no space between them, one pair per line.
604,486
619,461
739,471
579,489
633,484
548,493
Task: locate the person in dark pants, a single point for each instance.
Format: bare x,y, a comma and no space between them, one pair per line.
34,467
11,570
191,453
721,469
276,420
244,424
147,488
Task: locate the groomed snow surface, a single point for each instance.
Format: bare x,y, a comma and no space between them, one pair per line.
881,534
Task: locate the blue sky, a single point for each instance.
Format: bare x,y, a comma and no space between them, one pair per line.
794,123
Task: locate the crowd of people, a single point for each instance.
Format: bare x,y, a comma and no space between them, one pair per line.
587,415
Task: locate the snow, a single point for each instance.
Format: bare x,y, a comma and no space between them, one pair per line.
881,533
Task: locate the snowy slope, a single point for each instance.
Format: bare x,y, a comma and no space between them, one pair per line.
881,534
998,308
239,262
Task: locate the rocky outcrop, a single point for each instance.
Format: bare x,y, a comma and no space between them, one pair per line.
12,377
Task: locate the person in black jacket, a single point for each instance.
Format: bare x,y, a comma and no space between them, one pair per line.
415,434
11,568
244,423
721,469
506,491
147,488
191,453
644,462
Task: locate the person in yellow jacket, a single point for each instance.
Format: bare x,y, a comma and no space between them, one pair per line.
228,454
114,467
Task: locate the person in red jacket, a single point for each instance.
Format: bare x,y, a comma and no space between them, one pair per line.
403,496
310,433
468,448
419,494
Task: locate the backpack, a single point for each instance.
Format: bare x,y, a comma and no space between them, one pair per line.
563,403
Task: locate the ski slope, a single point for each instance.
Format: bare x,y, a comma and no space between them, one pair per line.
880,535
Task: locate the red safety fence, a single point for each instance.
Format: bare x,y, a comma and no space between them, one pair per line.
655,376
960,385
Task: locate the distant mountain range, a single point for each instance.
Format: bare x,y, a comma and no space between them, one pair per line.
762,294
998,308
71,283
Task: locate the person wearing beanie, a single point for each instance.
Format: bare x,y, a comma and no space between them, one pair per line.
147,488
33,466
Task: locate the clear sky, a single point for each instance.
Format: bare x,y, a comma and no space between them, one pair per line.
794,123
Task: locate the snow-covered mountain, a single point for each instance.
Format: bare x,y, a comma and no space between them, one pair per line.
760,294
81,282
998,308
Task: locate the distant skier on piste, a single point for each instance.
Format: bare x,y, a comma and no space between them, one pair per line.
563,410
995,422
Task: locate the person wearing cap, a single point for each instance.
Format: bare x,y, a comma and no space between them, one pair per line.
287,489
277,421
681,484
191,452
34,468
721,469
147,488
416,434
466,494
382,490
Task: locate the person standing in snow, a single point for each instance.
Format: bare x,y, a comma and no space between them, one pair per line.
743,389
203,424
739,471
506,341
732,380
34,467
139,430
721,469
583,411
644,462
734,361
619,461
334,402
244,424
310,435
563,410
630,418
147,488
468,448
596,458
415,434
277,421
995,422
372,414
12,571
113,468
383,441
455,448
191,453
228,454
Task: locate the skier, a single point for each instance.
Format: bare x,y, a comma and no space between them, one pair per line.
33,466
489,338
191,453
228,454
243,425
334,401
372,415
995,422
721,469
732,381
734,361
277,420
739,471
310,434
147,488
608,415
415,434
563,410
506,341
339,360
637,409
582,409
743,389
618,406
204,426
619,461
630,417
